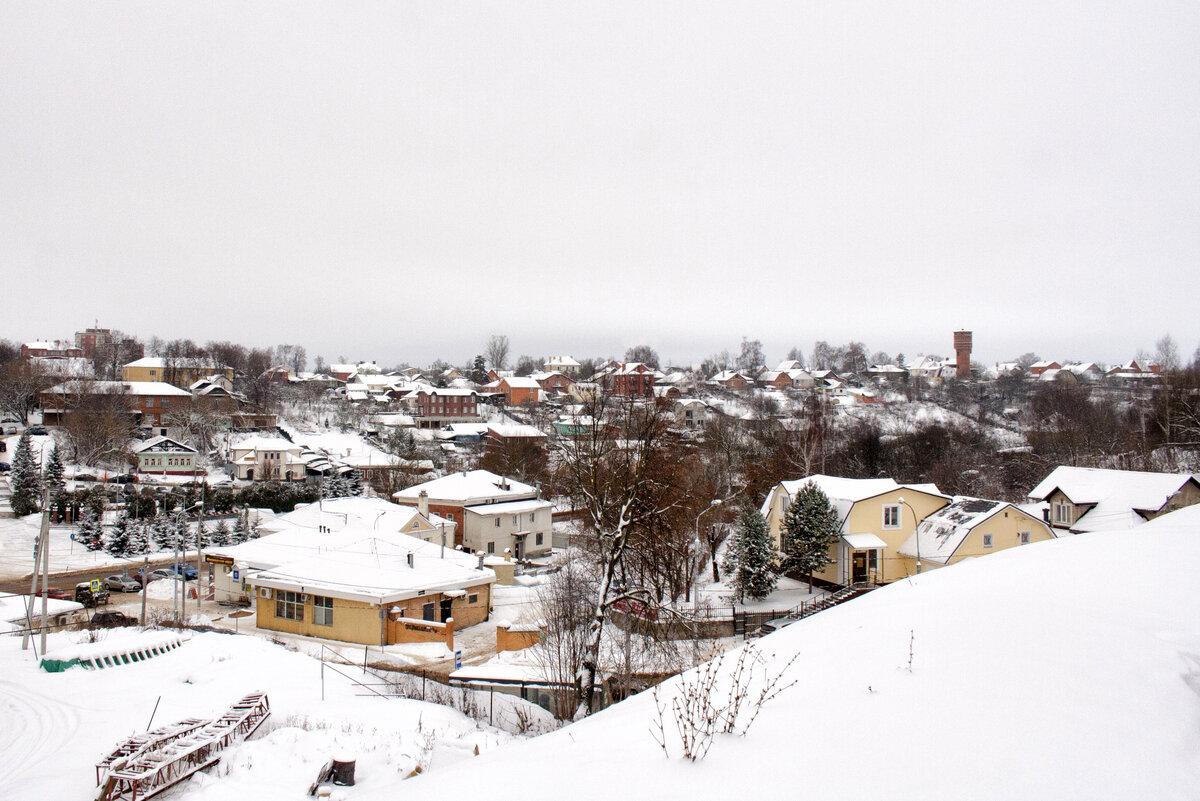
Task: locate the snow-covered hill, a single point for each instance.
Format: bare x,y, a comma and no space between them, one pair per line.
1065,669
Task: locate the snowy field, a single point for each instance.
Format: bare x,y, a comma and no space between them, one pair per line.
1022,675
54,727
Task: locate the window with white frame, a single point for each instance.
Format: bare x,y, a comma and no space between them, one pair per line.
1062,513
987,540
1024,535
891,516
288,605
322,611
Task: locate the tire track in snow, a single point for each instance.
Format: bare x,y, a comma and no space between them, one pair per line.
32,727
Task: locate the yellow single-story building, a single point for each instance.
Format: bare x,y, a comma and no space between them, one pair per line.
970,527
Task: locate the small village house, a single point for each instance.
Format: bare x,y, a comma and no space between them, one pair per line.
1083,499
967,528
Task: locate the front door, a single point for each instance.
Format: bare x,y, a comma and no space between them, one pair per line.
858,572
447,603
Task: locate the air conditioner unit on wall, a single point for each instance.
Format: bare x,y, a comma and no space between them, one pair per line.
303,598
264,592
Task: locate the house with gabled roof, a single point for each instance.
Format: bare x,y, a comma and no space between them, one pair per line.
563,364
493,513
519,390
1083,499
165,457
970,527
875,517
732,379
268,459
633,378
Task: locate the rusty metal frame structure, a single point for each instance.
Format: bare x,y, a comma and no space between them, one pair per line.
152,766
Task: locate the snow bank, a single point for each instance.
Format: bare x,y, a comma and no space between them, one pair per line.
1023,675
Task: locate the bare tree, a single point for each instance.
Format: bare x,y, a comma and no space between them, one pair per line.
99,423
497,352
1166,353
20,384
750,357
644,354
617,475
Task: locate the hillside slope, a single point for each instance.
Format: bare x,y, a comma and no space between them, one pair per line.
1065,669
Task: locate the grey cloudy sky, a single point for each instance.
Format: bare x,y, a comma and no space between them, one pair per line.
397,181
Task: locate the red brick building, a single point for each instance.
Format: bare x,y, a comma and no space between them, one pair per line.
633,378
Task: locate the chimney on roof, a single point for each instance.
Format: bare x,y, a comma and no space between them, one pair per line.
423,502
480,555
410,559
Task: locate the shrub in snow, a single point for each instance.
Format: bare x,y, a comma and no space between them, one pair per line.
712,700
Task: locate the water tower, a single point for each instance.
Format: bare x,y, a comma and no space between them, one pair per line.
962,353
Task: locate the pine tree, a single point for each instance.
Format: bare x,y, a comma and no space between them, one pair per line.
54,474
116,539
25,480
241,531
160,532
750,557
89,531
810,529
138,538
220,534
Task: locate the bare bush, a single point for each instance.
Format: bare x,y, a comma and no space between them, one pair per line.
714,701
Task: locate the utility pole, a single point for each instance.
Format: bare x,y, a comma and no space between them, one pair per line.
199,557
145,583
45,537
38,545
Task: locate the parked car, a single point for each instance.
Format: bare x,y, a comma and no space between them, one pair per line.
126,478
5,467
37,430
54,592
85,477
108,620
187,571
85,595
155,575
123,584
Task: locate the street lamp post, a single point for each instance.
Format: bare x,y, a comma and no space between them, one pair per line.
696,576
916,534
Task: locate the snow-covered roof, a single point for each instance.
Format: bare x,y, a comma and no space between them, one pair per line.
864,542
843,493
510,507
940,534
12,607
468,487
184,363
155,388
159,442
376,570
562,361
265,444
515,430
1114,495
521,382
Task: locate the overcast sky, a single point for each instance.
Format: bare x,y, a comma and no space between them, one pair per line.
397,181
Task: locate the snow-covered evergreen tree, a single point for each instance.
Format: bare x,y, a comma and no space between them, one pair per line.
54,480
89,532
138,535
220,535
25,479
116,539
333,486
160,532
810,529
750,557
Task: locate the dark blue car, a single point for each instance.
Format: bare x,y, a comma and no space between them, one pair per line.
187,571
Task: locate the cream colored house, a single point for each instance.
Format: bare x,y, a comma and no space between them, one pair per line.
1083,499
267,459
967,528
876,515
